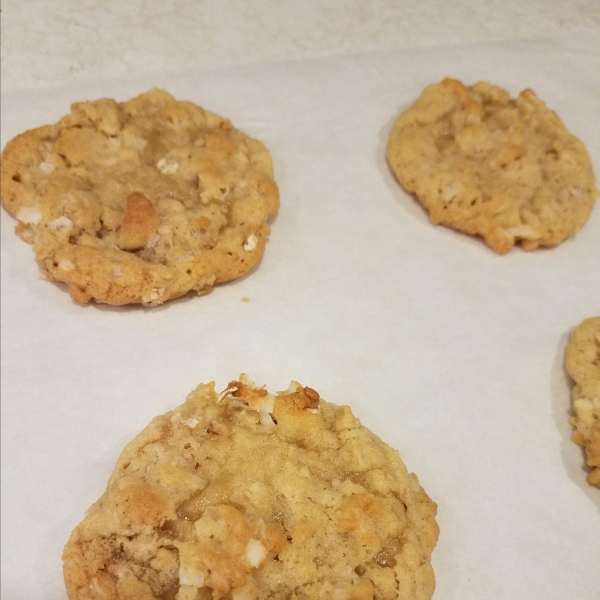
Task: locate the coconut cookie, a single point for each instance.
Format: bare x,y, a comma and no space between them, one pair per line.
483,163
141,201
583,365
248,495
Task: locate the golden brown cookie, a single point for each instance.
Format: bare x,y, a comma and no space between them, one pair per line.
483,163
140,201
583,365
251,496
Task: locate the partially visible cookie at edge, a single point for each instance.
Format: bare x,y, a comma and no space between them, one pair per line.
247,495
583,365
482,163
140,201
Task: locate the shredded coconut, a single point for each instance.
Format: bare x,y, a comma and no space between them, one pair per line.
190,576
191,423
152,241
524,231
238,404
47,168
246,380
265,418
95,586
251,243
340,594
255,553
154,296
30,215
228,390
587,403
450,192
266,403
167,166
244,593
293,387
204,282
61,224
65,265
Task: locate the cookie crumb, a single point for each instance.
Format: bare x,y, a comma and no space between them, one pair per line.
244,299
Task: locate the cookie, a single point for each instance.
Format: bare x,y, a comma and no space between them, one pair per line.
140,201
248,495
583,365
485,164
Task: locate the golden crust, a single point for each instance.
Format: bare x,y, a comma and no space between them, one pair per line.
141,201
583,365
252,495
485,164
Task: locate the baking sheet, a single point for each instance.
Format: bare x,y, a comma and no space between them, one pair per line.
449,352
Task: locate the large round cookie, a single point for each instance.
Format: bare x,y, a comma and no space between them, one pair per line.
483,163
583,365
141,201
247,495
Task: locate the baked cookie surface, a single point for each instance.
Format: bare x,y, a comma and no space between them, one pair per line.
583,365
248,495
141,201
485,164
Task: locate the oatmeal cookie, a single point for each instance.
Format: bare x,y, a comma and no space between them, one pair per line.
249,495
583,365
141,201
483,163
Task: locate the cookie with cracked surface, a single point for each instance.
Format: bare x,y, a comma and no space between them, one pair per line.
249,495
583,365
140,201
488,165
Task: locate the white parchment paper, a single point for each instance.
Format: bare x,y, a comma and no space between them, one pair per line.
449,352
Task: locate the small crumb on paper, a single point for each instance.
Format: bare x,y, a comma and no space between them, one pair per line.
244,299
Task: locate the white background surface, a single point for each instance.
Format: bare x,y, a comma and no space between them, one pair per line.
450,353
